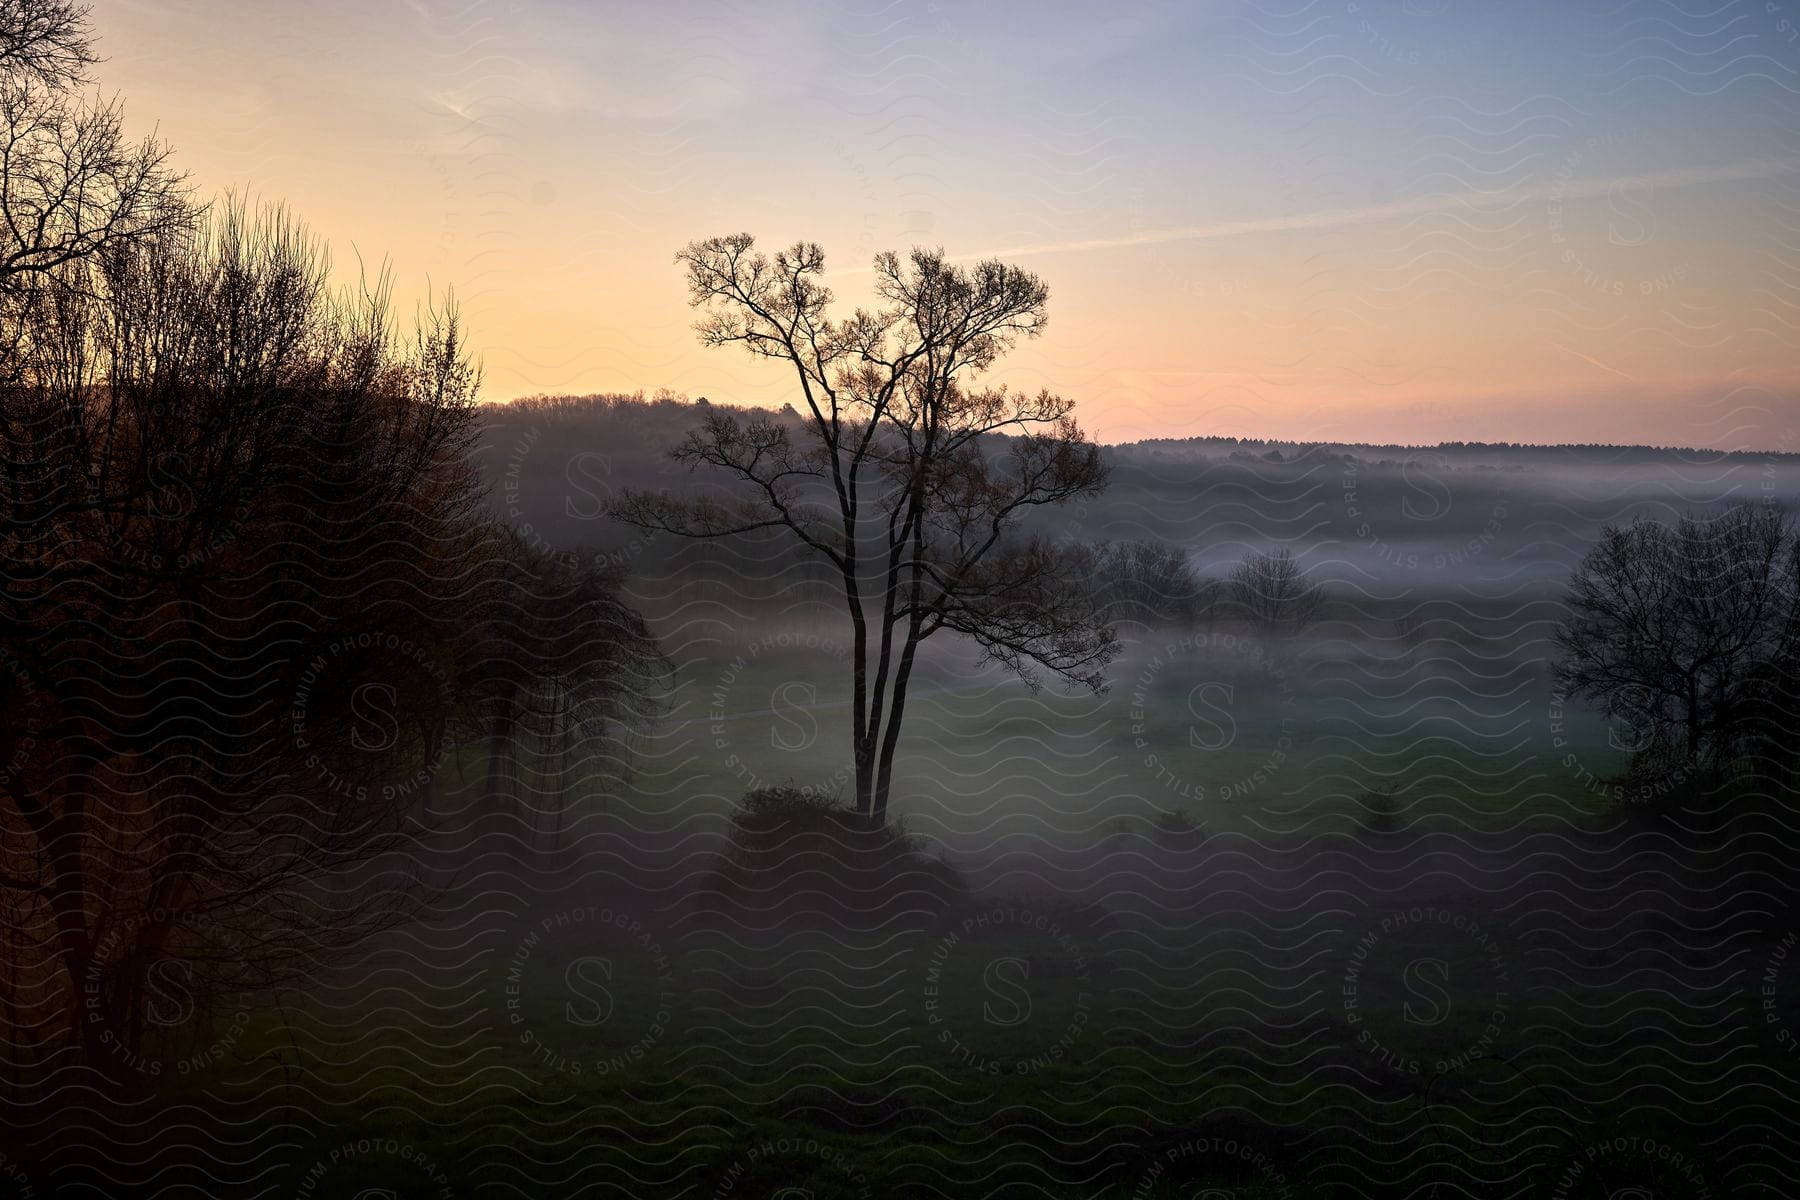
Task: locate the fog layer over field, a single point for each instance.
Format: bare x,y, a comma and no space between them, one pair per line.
1424,676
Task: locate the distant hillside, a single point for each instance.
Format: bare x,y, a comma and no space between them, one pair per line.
1356,512
1522,452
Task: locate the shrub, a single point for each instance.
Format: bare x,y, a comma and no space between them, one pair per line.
1177,828
1378,809
792,847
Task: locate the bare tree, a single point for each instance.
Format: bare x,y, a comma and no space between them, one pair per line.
1151,582
243,543
46,41
563,659
1687,633
1272,591
902,474
75,183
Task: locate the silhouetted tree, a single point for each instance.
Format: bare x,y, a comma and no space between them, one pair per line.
563,659
47,42
1151,582
1272,591
904,476
243,541
75,184
1688,633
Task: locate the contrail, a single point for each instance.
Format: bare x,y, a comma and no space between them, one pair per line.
1337,218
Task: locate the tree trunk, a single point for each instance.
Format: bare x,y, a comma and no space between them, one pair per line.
432,734
865,776
562,772
61,841
890,741
499,750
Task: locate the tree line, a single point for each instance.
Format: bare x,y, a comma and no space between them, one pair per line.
253,599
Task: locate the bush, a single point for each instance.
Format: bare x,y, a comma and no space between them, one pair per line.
794,848
1379,811
1178,829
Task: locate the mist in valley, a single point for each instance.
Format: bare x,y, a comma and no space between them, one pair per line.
866,780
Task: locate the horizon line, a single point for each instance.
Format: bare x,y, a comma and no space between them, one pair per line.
602,399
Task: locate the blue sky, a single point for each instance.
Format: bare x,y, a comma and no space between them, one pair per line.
1398,218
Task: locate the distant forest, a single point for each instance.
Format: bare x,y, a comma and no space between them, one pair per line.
1348,511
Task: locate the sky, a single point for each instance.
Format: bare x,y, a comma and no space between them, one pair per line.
1348,220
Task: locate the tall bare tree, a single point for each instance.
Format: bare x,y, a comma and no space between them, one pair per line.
903,473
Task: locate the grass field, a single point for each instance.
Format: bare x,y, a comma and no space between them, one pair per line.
1239,732
1273,1001
708,1063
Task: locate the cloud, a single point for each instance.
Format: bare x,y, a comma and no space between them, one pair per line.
1339,218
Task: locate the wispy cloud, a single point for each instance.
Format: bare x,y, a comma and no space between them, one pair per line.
1474,201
